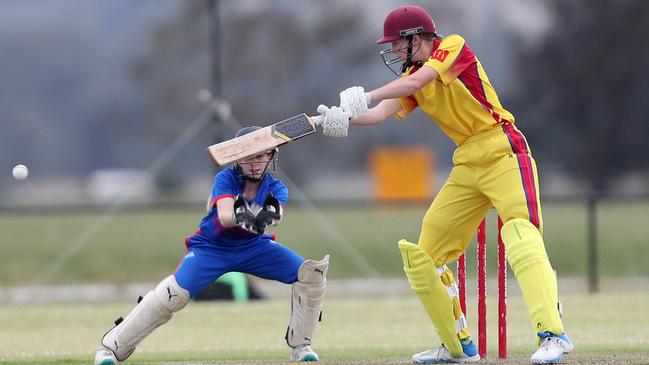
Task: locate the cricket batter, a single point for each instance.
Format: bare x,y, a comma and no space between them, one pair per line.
493,167
245,200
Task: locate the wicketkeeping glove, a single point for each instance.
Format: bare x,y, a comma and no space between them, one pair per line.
243,216
268,214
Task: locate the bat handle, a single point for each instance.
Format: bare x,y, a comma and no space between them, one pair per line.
318,119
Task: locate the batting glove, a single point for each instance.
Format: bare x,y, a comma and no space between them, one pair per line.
335,122
354,101
243,216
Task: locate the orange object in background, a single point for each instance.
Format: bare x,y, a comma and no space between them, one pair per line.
403,173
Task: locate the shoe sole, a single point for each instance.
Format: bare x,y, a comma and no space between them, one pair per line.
435,361
474,358
551,361
108,362
310,358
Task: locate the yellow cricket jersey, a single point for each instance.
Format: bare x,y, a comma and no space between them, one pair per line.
461,100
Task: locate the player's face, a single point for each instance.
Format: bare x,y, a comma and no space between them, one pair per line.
255,166
400,48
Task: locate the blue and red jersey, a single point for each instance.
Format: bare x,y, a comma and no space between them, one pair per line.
229,183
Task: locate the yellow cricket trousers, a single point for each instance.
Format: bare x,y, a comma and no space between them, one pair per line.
491,169
494,169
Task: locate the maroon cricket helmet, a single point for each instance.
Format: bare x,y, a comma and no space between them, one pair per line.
405,18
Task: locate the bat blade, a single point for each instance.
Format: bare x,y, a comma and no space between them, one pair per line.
261,140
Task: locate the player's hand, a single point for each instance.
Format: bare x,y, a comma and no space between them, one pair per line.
243,216
354,101
335,122
271,203
269,213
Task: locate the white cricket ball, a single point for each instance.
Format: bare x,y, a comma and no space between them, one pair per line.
204,96
20,172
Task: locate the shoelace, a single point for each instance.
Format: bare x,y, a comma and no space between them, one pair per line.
546,339
442,350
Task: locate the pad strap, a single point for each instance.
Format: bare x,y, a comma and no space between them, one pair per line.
461,325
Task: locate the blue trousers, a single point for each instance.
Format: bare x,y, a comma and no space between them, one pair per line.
264,258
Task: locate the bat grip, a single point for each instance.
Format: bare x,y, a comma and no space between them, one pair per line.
318,119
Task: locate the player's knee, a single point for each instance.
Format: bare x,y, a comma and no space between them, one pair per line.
313,271
418,265
522,213
439,237
312,282
518,230
171,295
523,242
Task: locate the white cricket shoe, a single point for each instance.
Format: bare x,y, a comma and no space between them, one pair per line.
105,356
443,356
552,348
304,353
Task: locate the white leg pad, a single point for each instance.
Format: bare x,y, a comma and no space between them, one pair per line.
154,309
306,301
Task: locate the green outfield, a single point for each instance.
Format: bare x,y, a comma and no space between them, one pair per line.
147,245
606,328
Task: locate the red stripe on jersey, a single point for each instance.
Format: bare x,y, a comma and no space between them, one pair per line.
412,98
418,65
519,147
470,77
188,237
224,196
463,61
221,197
178,266
436,43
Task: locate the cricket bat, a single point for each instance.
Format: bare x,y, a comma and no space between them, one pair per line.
264,139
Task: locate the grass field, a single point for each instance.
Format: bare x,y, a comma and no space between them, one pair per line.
147,245
144,246
606,328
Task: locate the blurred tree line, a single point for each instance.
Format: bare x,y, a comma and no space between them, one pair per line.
579,91
582,91
70,108
273,64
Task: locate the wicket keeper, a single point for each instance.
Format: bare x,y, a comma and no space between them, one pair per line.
245,200
493,167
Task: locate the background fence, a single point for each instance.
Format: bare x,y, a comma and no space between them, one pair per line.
587,237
